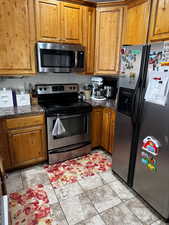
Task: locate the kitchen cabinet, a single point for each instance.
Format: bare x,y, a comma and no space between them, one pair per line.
159,21
107,136
71,22
26,140
102,128
17,37
96,126
48,20
4,151
59,21
108,39
136,22
89,20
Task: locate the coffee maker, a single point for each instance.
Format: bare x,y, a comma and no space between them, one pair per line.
97,89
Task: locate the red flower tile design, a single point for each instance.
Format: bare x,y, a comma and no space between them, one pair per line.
73,170
30,207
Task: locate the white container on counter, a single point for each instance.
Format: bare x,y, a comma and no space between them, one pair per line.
22,99
6,99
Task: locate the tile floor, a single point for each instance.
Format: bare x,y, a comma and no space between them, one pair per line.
97,200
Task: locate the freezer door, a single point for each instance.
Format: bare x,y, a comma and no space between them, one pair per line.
151,179
131,61
152,185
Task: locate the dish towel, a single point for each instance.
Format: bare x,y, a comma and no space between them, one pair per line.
58,128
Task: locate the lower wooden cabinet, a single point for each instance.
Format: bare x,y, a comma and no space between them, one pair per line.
26,145
96,126
102,132
26,141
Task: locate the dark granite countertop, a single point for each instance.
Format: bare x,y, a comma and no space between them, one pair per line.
109,103
9,112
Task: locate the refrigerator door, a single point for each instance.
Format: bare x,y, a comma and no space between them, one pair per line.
126,109
151,180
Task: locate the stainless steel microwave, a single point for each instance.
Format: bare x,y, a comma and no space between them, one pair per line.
60,58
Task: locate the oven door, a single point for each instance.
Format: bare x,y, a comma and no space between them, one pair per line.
76,130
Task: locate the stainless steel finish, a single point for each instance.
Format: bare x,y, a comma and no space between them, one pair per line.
76,61
63,47
47,89
153,187
108,91
4,210
43,45
70,140
122,147
124,126
65,154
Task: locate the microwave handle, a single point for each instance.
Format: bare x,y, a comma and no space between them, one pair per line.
76,59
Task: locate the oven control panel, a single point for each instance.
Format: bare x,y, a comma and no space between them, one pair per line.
56,88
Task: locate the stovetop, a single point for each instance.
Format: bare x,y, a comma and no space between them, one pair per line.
67,108
61,99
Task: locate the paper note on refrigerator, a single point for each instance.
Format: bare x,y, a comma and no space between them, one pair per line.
158,87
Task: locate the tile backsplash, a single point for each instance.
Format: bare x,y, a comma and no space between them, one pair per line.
44,78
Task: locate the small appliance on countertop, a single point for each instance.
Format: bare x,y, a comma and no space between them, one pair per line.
68,121
97,89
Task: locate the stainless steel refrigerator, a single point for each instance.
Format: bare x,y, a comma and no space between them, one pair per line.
141,150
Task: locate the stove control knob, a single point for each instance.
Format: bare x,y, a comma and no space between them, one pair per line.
45,89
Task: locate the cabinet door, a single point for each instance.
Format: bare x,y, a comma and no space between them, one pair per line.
27,145
159,23
108,39
48,20
89,20
71,23
112,130
4,151
136,22
17,37
106,123
96,127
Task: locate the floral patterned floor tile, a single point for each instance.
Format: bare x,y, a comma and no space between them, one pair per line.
30,207
73,170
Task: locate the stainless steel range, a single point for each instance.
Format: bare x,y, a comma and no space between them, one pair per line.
67,120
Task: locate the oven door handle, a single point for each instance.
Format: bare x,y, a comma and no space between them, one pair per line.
61,116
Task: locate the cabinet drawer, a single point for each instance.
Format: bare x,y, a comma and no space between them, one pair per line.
24,121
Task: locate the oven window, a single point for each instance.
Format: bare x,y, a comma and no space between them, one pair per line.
74,125
57,58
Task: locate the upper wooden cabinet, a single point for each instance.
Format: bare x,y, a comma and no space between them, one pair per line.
58,21
71,23
136,22
108,39
159,22
89,21
48,20
17,37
